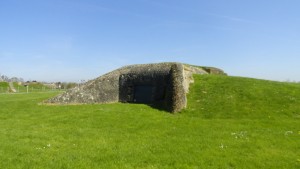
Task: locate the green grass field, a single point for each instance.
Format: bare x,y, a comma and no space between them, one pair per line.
230,122
32,87
3,87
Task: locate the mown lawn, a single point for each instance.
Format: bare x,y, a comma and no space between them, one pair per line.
230,122
32,87
3,87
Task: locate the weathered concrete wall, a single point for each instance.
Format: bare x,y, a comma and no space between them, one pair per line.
169,91
213,70
170,82
105,89
101,90
178,99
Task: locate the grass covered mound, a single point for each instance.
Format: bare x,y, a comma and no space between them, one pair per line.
243,98
32,87
3,85
230,122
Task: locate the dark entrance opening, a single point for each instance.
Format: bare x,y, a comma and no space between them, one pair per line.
143,94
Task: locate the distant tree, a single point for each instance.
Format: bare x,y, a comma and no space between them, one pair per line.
13,79
4,78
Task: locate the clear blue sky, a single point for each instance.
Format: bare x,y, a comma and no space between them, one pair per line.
71,40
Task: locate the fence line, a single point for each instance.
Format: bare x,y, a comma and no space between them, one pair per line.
6,90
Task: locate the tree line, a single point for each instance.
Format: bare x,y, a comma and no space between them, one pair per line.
4,78
58,85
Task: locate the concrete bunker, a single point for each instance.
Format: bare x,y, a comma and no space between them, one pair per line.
161,85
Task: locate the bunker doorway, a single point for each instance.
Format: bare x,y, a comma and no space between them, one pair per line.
143,94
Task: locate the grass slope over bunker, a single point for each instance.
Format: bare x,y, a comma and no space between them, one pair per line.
230,122
214,97
3,87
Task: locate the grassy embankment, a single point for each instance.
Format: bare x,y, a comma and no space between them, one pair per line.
3,87
230,122
20,88
32,87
